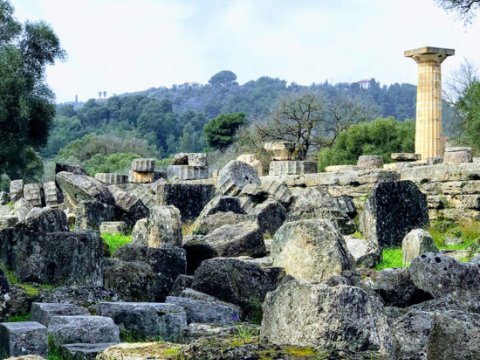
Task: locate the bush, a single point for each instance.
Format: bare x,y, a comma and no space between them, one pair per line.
382,136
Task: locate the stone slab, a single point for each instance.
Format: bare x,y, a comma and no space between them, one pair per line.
187,172
43,312
112,178
23,338
143,165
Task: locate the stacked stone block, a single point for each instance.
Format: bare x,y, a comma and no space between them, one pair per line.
52,195
142,171
16,190
33,194
284,160
112,178
188,166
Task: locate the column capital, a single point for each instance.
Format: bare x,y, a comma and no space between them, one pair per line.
429,54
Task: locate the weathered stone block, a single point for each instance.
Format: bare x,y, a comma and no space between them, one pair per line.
141,177
197,159
16,190
52,196
33,194
279,168
338,318
416,243
187,172
131,209
311,250
112,178
23,338
77,188
204,311
90,214
82,329
8,221
392,210
280,150
400,157
252,160
83,351
113,227
365,253
458,155
143,165
235,176
148,320
164,226
370,162
43,312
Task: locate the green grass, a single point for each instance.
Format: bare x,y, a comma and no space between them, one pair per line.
440,230
391,258
19,318
116,241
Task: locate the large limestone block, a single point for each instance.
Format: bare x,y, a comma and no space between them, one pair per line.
311,250
130,207
207,311
235,176
78,188
235,281
16,190
164,226
147,320
252,160
82,329
206,225
187,172
242,239
188,197
139,233
141,177
112,178
340,318
89,215
366,253
44,312
439,274
33,194
441,173
457,155
197,159
416,243
292,167
280,150
393,209
23,338
143,165
370,162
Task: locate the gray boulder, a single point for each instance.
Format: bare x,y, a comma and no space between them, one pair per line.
139,233
396,288
241,239
181,283
269,215
393,209
311,250
131,209
147,320
78,188
366,253
205,311
415,243
439,274
205,225
221,203
23,338
236,175
336,319
43,312
410,335
164,226
82,329
235,281
312,203
89,215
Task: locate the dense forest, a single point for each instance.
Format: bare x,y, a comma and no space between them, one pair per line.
172,119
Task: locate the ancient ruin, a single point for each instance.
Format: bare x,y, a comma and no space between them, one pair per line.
429,141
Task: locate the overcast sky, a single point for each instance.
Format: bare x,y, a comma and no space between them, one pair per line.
129,45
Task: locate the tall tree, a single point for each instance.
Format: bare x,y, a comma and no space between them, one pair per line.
26,102
220,132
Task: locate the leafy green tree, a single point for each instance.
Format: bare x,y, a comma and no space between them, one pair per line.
112,163
382,136
468,106
220,132
26,103
223,78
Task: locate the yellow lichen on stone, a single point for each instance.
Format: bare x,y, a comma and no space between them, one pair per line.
140,351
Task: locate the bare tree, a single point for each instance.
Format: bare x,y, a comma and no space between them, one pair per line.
465,9
308,121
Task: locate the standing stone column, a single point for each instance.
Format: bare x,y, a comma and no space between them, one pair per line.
429,140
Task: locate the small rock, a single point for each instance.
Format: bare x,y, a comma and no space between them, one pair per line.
415,243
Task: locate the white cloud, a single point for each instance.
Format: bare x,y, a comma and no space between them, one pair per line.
128,45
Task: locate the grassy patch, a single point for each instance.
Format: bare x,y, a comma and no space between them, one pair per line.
116,241
469,232
19,318
391,258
